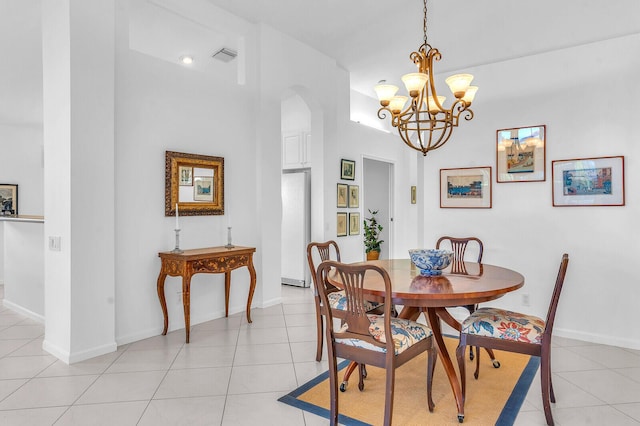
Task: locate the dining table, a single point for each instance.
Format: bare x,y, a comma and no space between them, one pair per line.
460,284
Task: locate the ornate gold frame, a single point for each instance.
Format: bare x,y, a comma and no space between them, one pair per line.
173,162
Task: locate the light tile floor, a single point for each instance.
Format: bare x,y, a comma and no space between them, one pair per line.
233,373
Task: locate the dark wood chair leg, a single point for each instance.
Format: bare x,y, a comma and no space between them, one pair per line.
476,374
460,350
545,381
388,398
320,327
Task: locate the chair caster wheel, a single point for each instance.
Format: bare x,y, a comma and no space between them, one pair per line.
496,364
343,387
460,418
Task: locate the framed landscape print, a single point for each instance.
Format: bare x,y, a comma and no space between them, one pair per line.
347,169
341,224
354,223
520,154
203,188
342,194
354,196
465,188
588,182
8,199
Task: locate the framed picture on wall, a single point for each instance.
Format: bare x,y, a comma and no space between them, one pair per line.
341,224
520,154
347,169
186,175
465,188
8,199
342,195
203,188
354,223
588,182
354,196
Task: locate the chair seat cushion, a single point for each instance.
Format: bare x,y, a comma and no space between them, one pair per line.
405,334
502,324
337,300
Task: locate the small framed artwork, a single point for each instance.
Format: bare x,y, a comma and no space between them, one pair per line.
8,199
520,154
341,224
347,169
588,182
354,223
354,196
342,195
413,194
186,175
203,188
465,188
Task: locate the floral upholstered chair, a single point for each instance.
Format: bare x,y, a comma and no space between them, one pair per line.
515,332
379,340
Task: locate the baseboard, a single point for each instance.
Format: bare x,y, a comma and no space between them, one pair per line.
597,338
68,358
19,309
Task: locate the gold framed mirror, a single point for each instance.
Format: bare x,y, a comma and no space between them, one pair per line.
193,182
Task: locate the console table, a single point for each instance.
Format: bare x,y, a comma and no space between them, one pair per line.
212,260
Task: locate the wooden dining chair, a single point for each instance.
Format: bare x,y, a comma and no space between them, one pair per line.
331,251
379,340
459,248
323,251
515,332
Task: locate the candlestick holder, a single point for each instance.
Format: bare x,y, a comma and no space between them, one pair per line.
229,245
177,249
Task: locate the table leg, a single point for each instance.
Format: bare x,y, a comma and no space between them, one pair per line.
252,288
186,304
433,315
227,288
163,301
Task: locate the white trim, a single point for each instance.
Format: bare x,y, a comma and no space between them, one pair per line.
19,309
603,339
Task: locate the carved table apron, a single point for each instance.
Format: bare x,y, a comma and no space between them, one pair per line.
212,260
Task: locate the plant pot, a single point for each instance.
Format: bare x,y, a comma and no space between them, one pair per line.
373,255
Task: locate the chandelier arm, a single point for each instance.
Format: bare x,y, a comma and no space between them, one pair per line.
382,113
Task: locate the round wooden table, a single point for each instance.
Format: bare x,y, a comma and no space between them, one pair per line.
461,284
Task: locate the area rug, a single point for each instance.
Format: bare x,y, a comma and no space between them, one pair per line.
494,399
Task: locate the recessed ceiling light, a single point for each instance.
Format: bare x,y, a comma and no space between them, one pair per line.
186,59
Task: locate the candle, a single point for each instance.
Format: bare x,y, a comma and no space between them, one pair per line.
177,224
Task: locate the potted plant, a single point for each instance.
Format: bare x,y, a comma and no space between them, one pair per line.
372,239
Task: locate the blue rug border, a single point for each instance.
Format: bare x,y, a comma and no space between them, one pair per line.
292,399
507,416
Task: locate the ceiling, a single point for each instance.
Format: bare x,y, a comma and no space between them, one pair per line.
372,39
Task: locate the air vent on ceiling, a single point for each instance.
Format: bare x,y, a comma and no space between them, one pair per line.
225,55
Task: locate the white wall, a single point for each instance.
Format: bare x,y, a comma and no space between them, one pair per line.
583,96
24,274
164,106
21,163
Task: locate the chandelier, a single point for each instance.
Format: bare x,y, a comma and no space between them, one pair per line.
425,124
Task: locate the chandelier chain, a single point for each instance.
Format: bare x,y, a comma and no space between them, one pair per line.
424,22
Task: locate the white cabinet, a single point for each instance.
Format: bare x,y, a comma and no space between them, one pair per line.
296,150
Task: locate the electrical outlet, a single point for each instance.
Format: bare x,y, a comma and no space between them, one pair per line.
525,299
